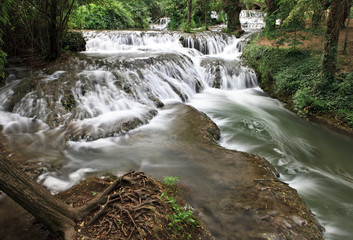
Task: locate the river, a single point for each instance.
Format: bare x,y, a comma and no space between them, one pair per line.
77,122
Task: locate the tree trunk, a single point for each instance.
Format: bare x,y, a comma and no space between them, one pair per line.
345,12
347,29
316,19
189,14
58,216
232,9
206,14
319,13
329,61
272,7
54,213
54,50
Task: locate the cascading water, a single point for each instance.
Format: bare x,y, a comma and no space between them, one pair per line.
102,112
161,24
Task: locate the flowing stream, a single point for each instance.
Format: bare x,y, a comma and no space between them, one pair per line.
118,106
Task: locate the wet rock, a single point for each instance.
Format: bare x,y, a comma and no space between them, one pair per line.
68,101
253,202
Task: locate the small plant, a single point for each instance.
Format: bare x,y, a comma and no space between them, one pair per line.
182,215
170,181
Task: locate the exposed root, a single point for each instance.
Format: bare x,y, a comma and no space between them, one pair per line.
127,209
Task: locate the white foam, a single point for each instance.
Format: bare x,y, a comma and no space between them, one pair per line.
56,184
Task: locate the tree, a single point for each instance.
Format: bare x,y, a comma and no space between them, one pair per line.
232,9
59,217
176,11
45,22
319,8
3,21
344,51
35,199
189,15
206,3
346,11
271,9
329,60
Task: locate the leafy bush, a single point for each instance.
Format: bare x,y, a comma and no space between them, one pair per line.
74,42
111,15
3,22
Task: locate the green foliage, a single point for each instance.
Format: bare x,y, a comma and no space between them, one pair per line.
292,16
112,14
182,215
176,11
170,181
292,75
3,22
74,42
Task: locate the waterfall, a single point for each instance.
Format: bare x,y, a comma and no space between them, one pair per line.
252,19
116,107
125,76
161,24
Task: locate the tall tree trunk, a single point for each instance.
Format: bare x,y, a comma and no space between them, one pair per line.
329,61
54,49
316,19
58,216
272,7
189,14
346,12
206,14
319,13
232,9
347,28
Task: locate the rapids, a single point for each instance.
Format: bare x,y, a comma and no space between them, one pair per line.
103,112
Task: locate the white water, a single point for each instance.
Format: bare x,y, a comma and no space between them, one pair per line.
120,77
161,24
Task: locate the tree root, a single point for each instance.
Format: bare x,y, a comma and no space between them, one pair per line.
126,209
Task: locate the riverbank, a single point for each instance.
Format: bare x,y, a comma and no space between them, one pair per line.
291,75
